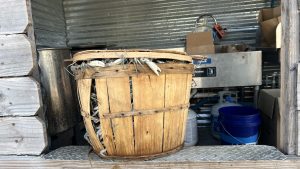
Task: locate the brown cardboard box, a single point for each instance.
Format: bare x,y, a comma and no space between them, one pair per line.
198,43
269,19
269,13
268,103
268,28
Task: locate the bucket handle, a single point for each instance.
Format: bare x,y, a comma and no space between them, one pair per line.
237,138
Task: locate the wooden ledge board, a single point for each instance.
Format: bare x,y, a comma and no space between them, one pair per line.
58,164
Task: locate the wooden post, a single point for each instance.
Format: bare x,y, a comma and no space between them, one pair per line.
289,58
298,113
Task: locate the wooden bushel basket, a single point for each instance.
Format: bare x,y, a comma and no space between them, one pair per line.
147,123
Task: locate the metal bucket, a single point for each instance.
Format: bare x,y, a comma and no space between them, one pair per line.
58,95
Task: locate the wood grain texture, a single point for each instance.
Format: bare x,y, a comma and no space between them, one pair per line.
298,87
298,114
16,55
120,100
96,54
13,16
187,100
22,135
80,164
105,124
19,97
289,59
133,70
175,94
148,93
84,93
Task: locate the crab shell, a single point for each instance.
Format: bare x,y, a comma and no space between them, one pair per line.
96,63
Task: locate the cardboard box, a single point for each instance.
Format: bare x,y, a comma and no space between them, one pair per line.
198,43
268,103
269,13
269,20
268,29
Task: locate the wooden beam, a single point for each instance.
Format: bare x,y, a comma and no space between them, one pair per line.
13,16
22,135
16,55
289,60
298,87
298,113
58,164
19,97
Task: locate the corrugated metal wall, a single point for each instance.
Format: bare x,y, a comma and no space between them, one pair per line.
49,23
155,23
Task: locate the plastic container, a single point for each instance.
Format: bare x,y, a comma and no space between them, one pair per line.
239,125
228,101
191,131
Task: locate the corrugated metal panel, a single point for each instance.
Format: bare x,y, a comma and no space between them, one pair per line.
155,23
49,23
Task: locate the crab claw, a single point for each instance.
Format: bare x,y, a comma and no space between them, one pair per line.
153,67
116,62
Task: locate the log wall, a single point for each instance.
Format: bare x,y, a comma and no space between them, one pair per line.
21,131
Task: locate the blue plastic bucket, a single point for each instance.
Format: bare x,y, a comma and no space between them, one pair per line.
239,125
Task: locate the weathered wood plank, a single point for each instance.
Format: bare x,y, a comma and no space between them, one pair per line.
13,16
298,113
19,97
16,55
22,135
289,59
298,87
58,164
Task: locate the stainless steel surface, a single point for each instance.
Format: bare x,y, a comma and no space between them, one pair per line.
156,23
58,95
49,23
233,69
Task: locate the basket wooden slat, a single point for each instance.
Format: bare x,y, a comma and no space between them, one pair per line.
148,93
174,121
132,70
84,93
120,100
103,104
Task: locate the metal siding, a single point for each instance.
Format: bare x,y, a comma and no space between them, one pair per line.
155,23
49,23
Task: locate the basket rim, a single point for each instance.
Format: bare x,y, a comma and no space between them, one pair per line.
139,53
